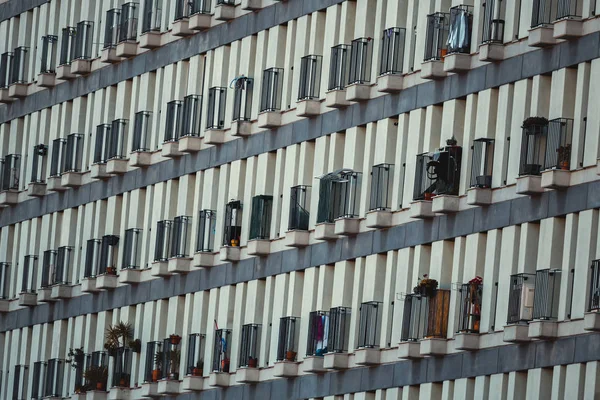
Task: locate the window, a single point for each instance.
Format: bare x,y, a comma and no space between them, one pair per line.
53,378
272,87
425,316
482,163
299,201
216,108
58,157
152,16
233,224
141,131
5,66
594,300
438,173
48,54
83,40
38,163
131,249
459,32
338,69
73,153
370,324
392,51
221,350
195,356
4,280
547,292
558,144
361,57
111,32
183,9
121,375
436,36
173,125
338,195
129,22
20,63
11,170
242,98
260,220
310,77
163,240
201,6
493,26
339,330
566,9
470,307
192,107
206,230
381,184
249,346
30,272
67,46
102,137
541,14
20,383
317,333
287,345
180,238
520,300
115,142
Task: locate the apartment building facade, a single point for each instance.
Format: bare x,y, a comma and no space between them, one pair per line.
299,199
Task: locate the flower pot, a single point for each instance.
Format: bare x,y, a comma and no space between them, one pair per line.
225,365
110,270
155,375
175,339
122,382
428,196
197,372
290,355
99,386
252,362
564,165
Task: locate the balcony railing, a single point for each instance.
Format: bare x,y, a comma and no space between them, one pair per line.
233,224
59,264
10,168
221,350
38,390
438,173
195,354
58,157
242,98
594,300
191,114
568,9
180,238
207,222
141,131
299,202
73,156
260,219
392,51
470,307
163,240
493,26
20,63
111,30
4,280
215,118
30,273
129,22
84,40
287,344
183,9
92,258
361,58
5,69
310,77
155,362
131,249
482,163
339,67
108,255
97,361
317,333
546,296
173,126
20,383
54,377
152,16
100,148
558,144
541,13
459,31
381,185
117,137
38,163
249,347
436,39
201,6
533,146
425,317
521,298
272,88
369,328
226,2
67,45
339,330
338,195
121,376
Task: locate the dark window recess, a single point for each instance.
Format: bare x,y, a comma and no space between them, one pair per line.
425,316
361,58
92,258
155,362
48,54
100,147
192,112
115,142
195,354
200,6
163,240
20,383
299,202
129,22
339,330
131,249
97,360
38,163
567,9
5,69
38,390
310,77
594,300
249,346
272,87
547,292
4,280
381,185
392,51
151,16
482,163
10,166
436,36
73,153
221,350
57,158
233,224
287,344
183,9
111,29
470,307
48,267
541,13
207,223
492,26
53,378
438,173
30,273
558,144
338,195
121,375
174,123
260,219
215,114
521,298
20,63
460,28
180,237
83,40
317,333
67,45
242,98
141,131
369,328
339,67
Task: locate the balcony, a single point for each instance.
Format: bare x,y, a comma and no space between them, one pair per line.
309,89
4,286
359,75
259,239
436,46
98,169
207,220
492,37
5,76
91,374
458,58
467,337
221,358
194,379
100,271
72,160
369,332
173,129
128,27
47,75
225,10
592,316
568,23
140,155
67,54
338,77
50,375
380,214
161,370
541,33
316,346
270,99
171,252
338,204
482,161
116,161
200,17
131,265
335,340
121,371
287,347
37,184
29,284
215,123
545,304
151,24
242,106
20,382
557,158
232,230
82,58
19,73
248,371
390,78
53,183
189,140
297,234
520,307
111,36
56,271
10,171
180,26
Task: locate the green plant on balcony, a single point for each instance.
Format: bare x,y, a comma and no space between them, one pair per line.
158,364
426,286
174,361
97,377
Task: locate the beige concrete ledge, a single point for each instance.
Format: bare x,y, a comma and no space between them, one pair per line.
390,83
193,383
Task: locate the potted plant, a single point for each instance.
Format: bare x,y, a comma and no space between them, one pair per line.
428,196
252,362
426,286
158,364
290,355
110,270
135,345
174,357
175,339
198,369
97,376
225,365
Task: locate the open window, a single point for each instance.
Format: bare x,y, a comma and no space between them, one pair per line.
221,350
272,88
310,77
521,298
299,202
438,172
233,224
10,168
492,24
141,131
287,344
67,45
30,273
392,51
339,67
482,162
111,30
369,329
4,280
152,16
206,230
339,195
249,348
381,185
131,249
361,58
216,108
260,220
129,22
460,28
84,40
242,98
195,354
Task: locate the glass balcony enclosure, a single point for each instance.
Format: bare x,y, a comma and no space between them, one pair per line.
594,294
369,329
191,114
30,274
4,280
111,29
207,222
73,155
48,54
10,171
215,118
173,125
310,77
131,249
20,65
460,28
339,67
381,185
129,22
141,131
260,220
391,59
38,163
482,162
338,195
272,87
492,24
84,40
242,98
151,16
299,202
6,64
67,46
287,344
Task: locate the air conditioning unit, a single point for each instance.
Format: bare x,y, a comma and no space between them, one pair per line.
527,295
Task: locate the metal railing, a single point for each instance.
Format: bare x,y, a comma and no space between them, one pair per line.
249,346
38,164
173,126
179,238
162,249
57,158
117,137
97,360
594,300
547,292
195,354
482,162
129,22
361,58
272,88
4,280
54,377
5,69
156,360
20,63
141,131
521,298
492,25
558,144
260,218
30,273
299,202
121,376
152,16
232,224
111,29
73,156
84,40
108,255
339,330
92,258
242,99
568,9
226,2
207,222
221,350
201,6
191,114
67,45
215,114
381,187
438,173
339,195
38,382
10,168
48,267
459,30
20,382
183,9
533,147
470,307
131,249
339,67
310,77
317,333
287,343
100,147
392,51
436,39
541,13
425,316
369,326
